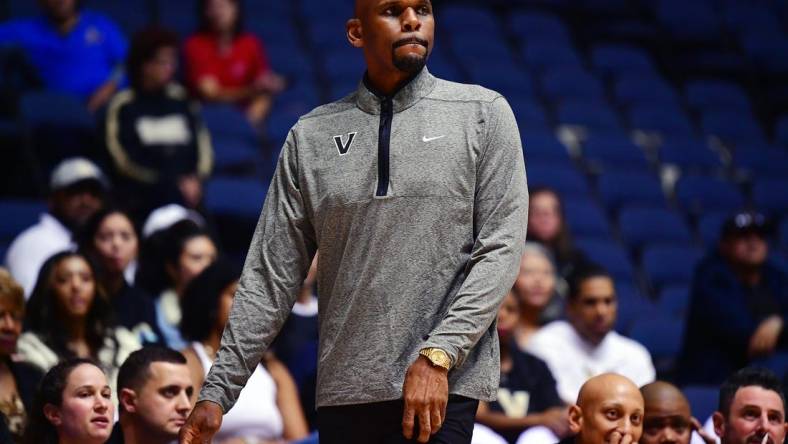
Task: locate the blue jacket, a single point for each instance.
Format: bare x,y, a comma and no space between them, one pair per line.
719,322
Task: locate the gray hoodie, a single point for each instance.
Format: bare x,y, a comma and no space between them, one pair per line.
418,205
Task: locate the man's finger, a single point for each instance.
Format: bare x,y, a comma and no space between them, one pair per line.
436,420
425,429
615,438
626,439
407,421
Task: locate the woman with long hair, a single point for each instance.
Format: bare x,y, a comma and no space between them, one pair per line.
534,289
110,239
73,405
268,408
170,259
546,225
68,316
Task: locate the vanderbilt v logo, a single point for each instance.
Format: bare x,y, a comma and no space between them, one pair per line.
343,147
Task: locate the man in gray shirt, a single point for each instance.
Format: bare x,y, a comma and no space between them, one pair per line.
414,191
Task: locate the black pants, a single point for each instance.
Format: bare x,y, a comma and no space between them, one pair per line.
381,423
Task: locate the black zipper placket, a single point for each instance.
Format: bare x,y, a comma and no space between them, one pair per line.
384,139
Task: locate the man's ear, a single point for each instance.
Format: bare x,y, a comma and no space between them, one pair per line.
354,32
128,400
719,424
52,414
575,419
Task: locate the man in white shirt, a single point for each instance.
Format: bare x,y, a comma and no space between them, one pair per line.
77,192
586,345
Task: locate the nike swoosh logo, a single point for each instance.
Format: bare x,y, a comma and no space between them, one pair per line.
430,139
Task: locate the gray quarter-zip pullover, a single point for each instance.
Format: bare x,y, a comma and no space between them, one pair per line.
418,205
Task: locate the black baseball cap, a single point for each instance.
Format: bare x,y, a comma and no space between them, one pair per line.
745,222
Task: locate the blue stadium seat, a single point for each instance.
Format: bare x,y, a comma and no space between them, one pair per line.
619,188
634,88
503,76
22,8
741,17
572,83
763,46
662,335
544,52
178,15
783,233
611,60
278,125
761,161
530,25
669,120
529,114
585,218
472,43
640,225
609,255
703,400
566,180
604,150
732,126
344,64
45,108
699,194
674,300
714,93
710,225
543,146
228,122
689,154
781,131
247,197
631,307
18,215
130,16
670,264
769,195
464,17
589,114
689,21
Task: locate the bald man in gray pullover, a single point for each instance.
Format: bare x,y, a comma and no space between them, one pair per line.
414,191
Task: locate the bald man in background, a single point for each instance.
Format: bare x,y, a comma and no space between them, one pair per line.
667,416
609,410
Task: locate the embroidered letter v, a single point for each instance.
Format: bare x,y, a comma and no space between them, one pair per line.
343,147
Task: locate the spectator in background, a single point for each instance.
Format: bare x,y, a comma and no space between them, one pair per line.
154,134
535,289
226,64
547,226
172,258
74,51
527,394
296,344
73,405
609,410
154,397
18,380
268,407
738,306
586,344
77,191
752,406
667,417
110,240
68,316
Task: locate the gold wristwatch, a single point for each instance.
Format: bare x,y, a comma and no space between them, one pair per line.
437,357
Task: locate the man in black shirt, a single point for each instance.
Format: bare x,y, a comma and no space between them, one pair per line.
667,416
738,305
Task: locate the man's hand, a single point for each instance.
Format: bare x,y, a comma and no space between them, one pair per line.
426,393
191,190
621,438
706,436
203,423
764,340
102,95
557,420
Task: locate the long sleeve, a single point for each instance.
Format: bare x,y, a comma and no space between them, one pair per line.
279,256
499,219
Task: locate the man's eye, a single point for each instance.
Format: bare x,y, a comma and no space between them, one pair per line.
636,419
611,414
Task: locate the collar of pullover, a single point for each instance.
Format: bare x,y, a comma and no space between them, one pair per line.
406,96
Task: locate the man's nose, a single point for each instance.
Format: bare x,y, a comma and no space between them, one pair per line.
410,20
669,436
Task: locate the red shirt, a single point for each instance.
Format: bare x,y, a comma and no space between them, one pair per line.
239,66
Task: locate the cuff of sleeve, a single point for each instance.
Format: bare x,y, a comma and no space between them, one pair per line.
215,396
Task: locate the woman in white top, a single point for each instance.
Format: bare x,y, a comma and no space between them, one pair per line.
268,409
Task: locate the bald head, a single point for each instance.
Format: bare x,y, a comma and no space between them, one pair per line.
667,419
609,408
